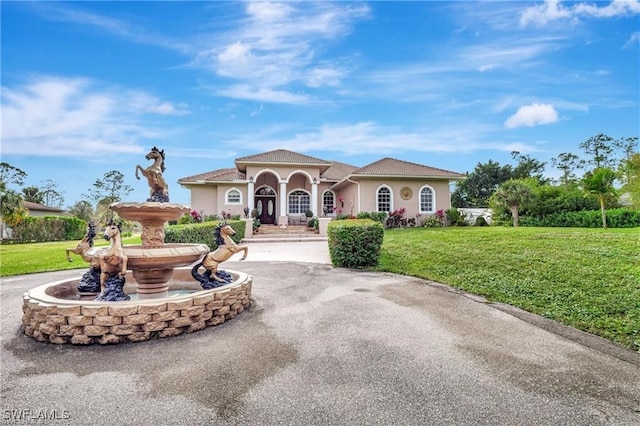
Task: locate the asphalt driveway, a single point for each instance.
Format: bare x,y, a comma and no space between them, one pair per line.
321,345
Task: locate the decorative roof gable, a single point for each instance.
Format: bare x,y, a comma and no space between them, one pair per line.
279,157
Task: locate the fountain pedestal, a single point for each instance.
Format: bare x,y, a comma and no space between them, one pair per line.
152,263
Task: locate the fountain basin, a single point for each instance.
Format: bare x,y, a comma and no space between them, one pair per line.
57,313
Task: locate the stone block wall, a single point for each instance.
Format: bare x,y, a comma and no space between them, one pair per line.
61,321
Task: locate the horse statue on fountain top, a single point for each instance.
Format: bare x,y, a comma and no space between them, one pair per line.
159,191
213,277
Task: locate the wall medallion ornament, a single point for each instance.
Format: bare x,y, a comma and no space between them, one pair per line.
406,193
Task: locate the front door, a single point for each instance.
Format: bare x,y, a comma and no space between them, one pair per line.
266,207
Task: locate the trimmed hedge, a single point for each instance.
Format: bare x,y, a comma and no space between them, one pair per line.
201,233
355,243
49,228
616,218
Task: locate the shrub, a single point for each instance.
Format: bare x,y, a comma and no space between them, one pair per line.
49,228
481,221
377,216
396,219
455,217
616,218
313,223
201,233
431,221
355,243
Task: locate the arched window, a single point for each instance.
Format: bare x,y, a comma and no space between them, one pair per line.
427,200
299,202
328,202
384,200
233,196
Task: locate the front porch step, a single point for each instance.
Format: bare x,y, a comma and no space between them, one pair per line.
274,233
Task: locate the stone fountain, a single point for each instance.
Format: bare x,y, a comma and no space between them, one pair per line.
162,299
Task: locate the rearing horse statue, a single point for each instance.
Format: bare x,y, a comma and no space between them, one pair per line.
226,248
84,245
159,191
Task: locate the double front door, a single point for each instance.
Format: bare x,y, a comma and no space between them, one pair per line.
266,207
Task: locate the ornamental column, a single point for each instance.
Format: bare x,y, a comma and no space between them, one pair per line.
314,197
283,219
250,194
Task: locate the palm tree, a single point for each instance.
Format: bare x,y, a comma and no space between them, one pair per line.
513,194
12,209
600,183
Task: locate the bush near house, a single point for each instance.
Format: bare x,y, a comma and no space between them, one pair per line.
201,233
355,243
616,218
49,228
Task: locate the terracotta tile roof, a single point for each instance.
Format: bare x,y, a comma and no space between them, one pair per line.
392,167
220,175
337,171
282,156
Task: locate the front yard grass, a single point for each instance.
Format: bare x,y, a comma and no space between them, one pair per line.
585,278
19,259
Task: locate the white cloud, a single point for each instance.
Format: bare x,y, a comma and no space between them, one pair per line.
368,136
532,115
262,94
553,10
634,39
54,116
276,45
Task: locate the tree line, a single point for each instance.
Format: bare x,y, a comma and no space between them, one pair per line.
609,167
109,189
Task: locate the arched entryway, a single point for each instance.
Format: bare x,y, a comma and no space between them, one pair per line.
265,205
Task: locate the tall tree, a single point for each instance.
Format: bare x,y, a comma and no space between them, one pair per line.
633,182
33,194
51,196
82,210
110,189
10,174
568,164
627,148
600,183
528,167
513,194
601,150
477,188
12,209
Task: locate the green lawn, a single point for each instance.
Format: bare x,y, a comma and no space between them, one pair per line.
586,278
18,259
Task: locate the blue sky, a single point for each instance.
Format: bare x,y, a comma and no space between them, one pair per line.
89,87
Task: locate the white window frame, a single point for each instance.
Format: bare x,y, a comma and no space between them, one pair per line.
433,199
331,210
289,202
390,198
232,203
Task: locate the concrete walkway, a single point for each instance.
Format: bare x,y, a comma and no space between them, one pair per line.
324,345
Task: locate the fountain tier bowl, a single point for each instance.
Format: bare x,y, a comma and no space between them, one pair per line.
150,211
57,313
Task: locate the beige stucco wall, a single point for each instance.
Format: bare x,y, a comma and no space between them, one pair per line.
369,188
204,198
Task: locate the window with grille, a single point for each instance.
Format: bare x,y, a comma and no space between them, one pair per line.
299,202
426,200
328,202
234,197
384,199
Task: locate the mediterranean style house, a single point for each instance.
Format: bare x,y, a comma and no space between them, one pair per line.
283,185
